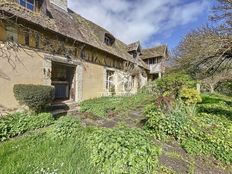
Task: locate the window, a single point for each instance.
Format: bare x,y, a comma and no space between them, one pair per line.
37,38
153,61
109,80
27,37
109,39
134,54
29,4
12,35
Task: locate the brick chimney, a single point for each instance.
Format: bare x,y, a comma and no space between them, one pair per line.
63,4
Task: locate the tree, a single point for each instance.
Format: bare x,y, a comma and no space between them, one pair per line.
207,51
213,81
222,13
204,52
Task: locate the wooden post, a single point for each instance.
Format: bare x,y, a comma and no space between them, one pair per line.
199,87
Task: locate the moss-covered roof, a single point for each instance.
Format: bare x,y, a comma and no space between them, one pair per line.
71,25
159,51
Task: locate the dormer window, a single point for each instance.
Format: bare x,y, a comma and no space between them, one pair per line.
134,49
109,39
29,4
134,54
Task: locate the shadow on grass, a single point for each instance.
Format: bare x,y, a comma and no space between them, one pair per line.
214,100
216,111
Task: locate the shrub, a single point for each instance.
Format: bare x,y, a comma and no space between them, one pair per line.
190,96
165,103
122,150
19,123
36,97
173,83
173,123
153,115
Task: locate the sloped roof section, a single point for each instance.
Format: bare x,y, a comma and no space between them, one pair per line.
133,46
71,25
159,51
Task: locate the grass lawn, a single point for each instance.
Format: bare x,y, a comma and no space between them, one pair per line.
101,107
39,154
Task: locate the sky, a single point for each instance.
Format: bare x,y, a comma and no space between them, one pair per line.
152,22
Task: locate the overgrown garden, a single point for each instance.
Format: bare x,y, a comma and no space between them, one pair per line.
182,130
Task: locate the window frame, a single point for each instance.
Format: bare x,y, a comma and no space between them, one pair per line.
27,4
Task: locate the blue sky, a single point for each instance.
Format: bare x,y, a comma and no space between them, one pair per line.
152,22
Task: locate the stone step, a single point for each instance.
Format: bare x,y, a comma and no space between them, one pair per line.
65,104
65,107
64,112
59,112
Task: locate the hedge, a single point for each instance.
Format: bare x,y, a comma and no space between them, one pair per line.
36,97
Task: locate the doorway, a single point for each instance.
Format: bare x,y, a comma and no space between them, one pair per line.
63,80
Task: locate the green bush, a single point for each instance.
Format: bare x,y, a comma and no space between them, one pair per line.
171,84
36,97
190,96
18,123
122,150
172,124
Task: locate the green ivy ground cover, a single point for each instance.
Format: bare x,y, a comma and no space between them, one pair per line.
205,132
18,123
67,147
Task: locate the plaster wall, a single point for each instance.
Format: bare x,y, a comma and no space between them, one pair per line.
21,67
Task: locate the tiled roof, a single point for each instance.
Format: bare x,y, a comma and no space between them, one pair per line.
71,25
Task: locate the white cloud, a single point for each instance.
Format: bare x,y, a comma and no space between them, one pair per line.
132,20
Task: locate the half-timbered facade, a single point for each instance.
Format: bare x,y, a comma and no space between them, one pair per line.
44,42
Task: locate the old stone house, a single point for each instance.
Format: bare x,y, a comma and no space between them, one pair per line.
44,42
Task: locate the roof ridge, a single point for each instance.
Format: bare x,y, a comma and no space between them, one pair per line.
163,45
